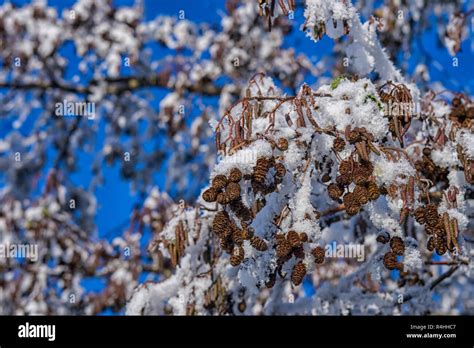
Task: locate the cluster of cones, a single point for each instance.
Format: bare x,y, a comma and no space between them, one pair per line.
365,190
397,246
442,230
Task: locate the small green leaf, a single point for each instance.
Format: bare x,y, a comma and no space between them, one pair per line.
375,100
335,83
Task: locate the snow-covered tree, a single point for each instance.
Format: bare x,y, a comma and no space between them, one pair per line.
358,186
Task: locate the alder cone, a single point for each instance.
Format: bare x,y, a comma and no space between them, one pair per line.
361,175
280,170
237,256
345,167
222,199
303,237
456,102
227,232
431,245
334,191
220,223
279,237
339,144
361,194
352,209
282,144
427,151
351,204
235,175
390,261
261,170
237,236
242,306
325,178
397,245
373,191
293,238
441,245
247,233
232,191
470,113
258,243
354,137
420,215
383,238
298,273
344,179
433,230
318,254
283,249
271,281
431,215
219,182
210,195
433,222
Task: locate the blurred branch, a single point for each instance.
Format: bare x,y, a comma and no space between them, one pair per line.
117,85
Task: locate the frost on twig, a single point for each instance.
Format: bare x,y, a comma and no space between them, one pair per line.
337,18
